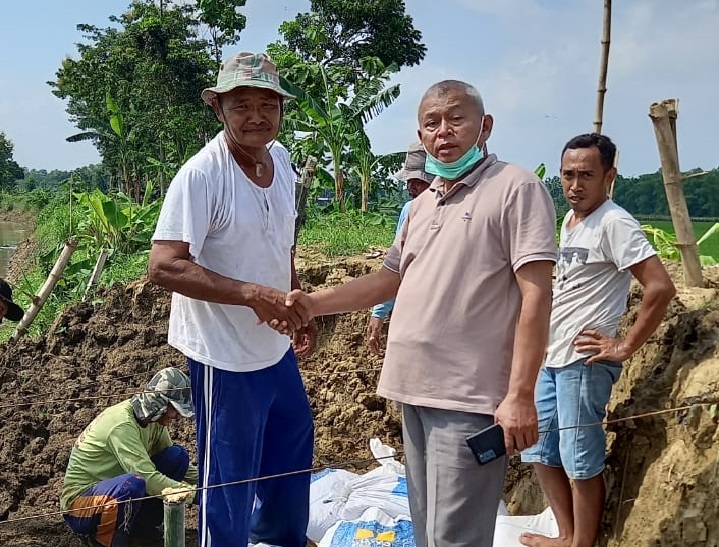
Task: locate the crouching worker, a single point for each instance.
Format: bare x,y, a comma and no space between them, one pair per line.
125,454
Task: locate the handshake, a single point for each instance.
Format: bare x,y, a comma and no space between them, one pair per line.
290,313
284,312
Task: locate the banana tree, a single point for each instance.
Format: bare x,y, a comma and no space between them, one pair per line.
123,141
333,122
364,163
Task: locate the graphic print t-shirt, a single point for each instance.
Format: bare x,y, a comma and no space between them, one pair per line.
593,277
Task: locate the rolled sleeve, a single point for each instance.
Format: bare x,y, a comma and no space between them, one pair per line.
383,310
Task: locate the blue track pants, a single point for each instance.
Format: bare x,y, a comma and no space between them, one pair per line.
250,425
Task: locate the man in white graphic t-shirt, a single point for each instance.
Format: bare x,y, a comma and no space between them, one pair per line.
223,245
601,248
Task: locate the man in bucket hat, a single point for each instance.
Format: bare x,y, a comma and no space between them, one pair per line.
126,453
223,245
418,180
8,308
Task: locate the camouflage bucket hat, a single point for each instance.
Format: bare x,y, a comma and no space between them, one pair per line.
170,386
248,70
413,167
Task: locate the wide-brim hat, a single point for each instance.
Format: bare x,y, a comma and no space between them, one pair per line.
413,167
14,312
246,69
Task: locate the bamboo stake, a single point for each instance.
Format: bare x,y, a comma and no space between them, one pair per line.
174,514
603,66
96,272
663,116
45,291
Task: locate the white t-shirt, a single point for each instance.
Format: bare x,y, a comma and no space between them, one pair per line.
593,277
236,229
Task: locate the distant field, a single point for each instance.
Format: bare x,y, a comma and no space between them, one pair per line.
710,247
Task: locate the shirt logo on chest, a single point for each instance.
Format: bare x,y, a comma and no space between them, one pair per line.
467,216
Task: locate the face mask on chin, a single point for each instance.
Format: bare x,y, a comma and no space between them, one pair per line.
455,169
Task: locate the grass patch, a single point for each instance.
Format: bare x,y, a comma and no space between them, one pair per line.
347,234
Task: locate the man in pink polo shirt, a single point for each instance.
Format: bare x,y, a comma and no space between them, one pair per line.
471,270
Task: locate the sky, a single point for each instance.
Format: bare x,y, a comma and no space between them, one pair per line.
535,63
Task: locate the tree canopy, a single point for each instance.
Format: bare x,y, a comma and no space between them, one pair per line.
10,171
644,195
339,34
135,89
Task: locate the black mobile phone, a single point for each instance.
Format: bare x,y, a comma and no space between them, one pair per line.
488,444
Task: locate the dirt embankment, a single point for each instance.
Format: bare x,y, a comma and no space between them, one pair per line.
661,470
97,355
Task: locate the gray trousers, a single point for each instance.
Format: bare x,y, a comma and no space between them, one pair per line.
453,500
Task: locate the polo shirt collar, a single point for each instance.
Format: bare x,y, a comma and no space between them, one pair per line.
469,179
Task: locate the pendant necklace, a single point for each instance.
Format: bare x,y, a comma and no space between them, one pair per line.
259,164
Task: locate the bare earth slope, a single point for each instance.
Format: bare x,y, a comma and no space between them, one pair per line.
661,470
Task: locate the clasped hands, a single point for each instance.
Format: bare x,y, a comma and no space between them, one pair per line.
288,313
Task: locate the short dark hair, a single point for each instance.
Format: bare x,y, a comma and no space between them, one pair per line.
607,149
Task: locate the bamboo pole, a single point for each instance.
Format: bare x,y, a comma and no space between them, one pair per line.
603,66
663,116
45,291
96,272
174,515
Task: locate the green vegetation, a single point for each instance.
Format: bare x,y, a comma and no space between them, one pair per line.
9,169
661,234
133,90
349,233
644,196
96,221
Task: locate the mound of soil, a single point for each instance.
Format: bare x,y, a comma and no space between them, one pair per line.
661,469
95,355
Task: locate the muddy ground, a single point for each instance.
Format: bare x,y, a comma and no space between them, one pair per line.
661,470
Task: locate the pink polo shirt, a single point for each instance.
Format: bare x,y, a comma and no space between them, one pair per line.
452,329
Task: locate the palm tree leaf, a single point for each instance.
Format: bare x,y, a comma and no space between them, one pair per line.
373,106
84,136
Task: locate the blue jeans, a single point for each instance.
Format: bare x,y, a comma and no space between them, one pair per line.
116,524
567,397
250,425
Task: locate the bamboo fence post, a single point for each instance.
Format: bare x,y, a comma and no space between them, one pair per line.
602,85
603,66
663,116
303,190
174,515
45,291
96,272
